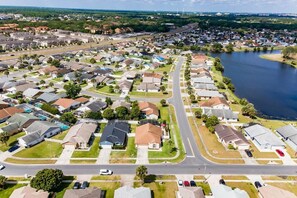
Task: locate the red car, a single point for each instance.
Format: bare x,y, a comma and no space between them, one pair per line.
186,183
280,153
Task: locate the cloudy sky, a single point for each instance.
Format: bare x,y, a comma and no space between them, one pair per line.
254,6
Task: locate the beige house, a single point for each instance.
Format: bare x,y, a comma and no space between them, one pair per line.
148,135
79,135
28,192
268,191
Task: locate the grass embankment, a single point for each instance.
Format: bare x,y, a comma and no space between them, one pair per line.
43,150
279,58
167,151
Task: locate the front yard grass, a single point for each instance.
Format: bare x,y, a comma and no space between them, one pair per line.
248,187
150,94
12,140
8,189
43,150
234,177
106,177
130,152
61,135
104,90
18,161
166,189
92,153
205,187
109,187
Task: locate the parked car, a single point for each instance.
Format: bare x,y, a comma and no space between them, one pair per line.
180,183
13,148
186,183
84,185
2,167
105,172
280,152
76,185
222,182
258,184
248,152
193,183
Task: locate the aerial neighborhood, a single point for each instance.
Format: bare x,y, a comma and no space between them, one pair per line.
97,104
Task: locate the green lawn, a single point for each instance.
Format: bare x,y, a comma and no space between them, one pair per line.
205,187
162,69
17,161
60,136
109,187
60,79
92,153
43,150
166,151
150,94
248,187
104,90
106,177
118,73
12,140
130,152
166,189
8,189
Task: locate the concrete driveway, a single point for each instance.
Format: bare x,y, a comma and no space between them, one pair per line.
247,160
66,155
104,156
287,160
142,155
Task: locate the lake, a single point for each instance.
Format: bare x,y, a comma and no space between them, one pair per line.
270,86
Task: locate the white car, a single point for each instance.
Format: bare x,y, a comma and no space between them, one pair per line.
2,167
105,172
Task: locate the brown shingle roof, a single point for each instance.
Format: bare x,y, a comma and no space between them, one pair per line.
148,133
65,102
82,100
148,108
214,101
154,75
10,111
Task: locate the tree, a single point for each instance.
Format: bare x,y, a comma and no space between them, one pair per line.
108,114
135,111
92,61
249,110
72,90
2,181
93,115
221,85
30,68
68,117
49,108
25,76
163,88
212,121
290,51
229,48
111,89
51,84
127,99
226,80
163,102
42,82
243,101
216,47
6,73
198,113
47,180
141,172
108,101
4,137
122,112
231,87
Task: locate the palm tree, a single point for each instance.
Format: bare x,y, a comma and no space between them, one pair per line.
141,172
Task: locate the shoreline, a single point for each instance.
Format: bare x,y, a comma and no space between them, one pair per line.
280,59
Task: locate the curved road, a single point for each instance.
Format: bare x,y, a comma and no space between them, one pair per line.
194,163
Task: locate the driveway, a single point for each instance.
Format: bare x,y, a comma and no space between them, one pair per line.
287,160
66,155
142,155
247,160
104,156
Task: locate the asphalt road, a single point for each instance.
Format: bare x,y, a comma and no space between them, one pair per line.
194,163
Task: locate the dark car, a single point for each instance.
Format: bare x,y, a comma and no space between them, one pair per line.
222,182
13,148
248,152
76,185
193,183
258,184
84,185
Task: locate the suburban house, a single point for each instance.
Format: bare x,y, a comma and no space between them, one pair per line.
37,131
289,135
215,103
125,86
32,93
103,80
269,191
149,110
21,88
47,70
152,78
221,114
28,191
229,136
202,86
263,138
223,191
206,94
115,134
127,191
148,87
91,192
79,135
190,192
23,120
66,104
8,112
49,97
120,103
10,129
148,135
94,106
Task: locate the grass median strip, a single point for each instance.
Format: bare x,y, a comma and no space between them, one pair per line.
17,161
